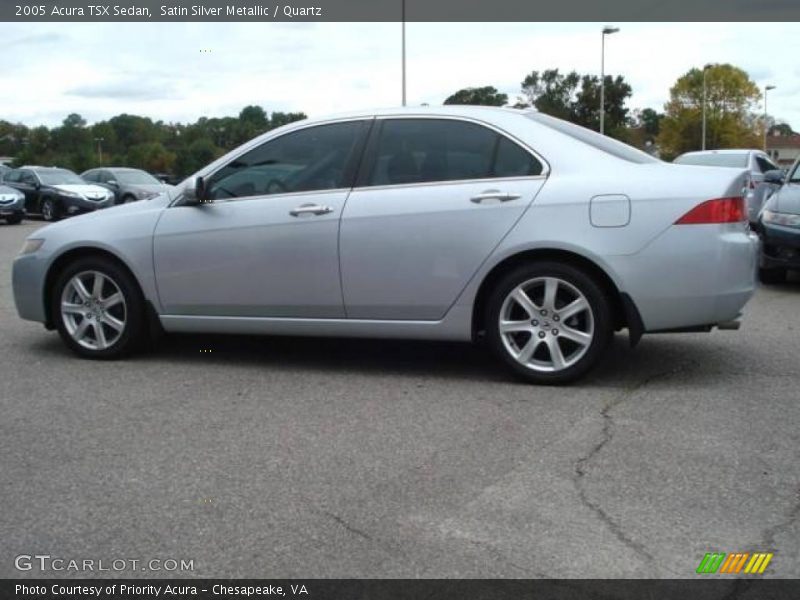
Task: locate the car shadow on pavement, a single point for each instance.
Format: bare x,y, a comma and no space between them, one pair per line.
621,365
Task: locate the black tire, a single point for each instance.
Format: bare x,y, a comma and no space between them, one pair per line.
772,276
50,209
14,219
599,310
135,333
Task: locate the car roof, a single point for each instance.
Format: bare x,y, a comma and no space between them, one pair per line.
456,110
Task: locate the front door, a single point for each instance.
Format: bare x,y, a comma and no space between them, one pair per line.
267,246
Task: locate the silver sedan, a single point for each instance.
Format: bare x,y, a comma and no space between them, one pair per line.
454,223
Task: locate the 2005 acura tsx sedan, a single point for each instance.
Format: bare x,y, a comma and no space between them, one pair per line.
450,223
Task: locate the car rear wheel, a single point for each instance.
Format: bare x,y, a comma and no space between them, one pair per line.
772,276
549,322
50,210
99,309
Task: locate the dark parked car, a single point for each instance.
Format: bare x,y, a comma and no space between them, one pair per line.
12,205
779,228
55,193
128,185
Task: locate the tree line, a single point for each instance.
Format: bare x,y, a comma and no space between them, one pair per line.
731,103
174,149
179,149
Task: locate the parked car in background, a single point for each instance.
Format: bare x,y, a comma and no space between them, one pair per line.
128,185
3,170
756,162
779,228
12,205
449,223
54,193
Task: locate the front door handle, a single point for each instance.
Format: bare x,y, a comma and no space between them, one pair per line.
310,209
493,196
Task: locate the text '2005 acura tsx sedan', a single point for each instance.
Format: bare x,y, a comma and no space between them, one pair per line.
451,223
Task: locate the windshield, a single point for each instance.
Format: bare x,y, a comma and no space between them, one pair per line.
136,178
727,159
59,177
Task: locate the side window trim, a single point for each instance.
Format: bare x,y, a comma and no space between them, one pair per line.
370,157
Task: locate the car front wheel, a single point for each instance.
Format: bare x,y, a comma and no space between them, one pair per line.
549,322
50,210
98,309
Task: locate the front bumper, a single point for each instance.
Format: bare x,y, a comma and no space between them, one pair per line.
75,206
780,247
27,279
15,207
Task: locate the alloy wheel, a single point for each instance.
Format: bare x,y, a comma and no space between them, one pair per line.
546,324
93,310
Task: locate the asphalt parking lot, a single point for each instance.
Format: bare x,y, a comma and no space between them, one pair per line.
273,457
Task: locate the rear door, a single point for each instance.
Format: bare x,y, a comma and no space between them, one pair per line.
433,199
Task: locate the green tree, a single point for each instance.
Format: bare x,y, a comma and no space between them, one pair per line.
482,96
576,98
731,100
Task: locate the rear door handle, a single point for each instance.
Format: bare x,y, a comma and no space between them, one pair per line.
310,209
493,196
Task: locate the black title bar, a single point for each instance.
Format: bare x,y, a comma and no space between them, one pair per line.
397,10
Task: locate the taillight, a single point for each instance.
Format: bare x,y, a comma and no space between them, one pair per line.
719,210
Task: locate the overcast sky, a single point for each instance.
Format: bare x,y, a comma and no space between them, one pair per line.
158,69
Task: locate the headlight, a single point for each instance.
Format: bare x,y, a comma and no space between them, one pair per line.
31,245
779,218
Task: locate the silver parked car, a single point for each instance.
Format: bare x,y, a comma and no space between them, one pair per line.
763,177
449,223
128,185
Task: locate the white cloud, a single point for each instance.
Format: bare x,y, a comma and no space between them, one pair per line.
180,71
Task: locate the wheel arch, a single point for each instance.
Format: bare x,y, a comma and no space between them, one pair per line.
623,309
72,255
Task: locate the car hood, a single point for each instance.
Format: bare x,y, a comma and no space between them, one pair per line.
97,217
84,189
787,199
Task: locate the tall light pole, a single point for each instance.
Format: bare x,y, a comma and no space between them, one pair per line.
766,89
606,31
99,141
705,70
403,45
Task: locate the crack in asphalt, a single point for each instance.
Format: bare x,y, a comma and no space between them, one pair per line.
607,434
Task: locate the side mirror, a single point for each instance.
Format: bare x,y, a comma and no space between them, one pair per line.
774,176
112,183
194,192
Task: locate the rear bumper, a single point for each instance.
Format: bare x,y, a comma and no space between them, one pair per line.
691,276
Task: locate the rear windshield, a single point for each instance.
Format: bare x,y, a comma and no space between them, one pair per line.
594,139
727,159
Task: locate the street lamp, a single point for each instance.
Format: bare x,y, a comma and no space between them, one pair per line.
606,31
99,141
705,70
403,45
766,89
